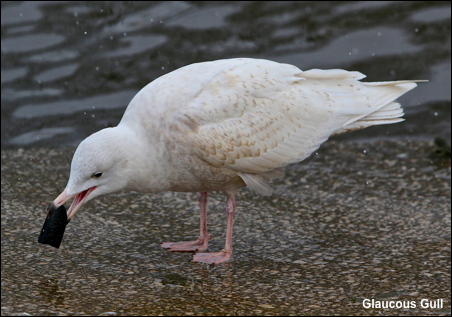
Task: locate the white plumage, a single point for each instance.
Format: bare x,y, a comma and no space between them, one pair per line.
221,125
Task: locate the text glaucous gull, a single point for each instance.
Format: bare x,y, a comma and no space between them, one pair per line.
223,125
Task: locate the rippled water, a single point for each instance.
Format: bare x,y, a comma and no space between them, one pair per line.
70,68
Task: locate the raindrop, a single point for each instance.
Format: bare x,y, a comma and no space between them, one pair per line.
378,33
85,33
125,33
101,10
435,114
111,37
364,151
84,112
21,14
94,107
163,67
97,68
93,116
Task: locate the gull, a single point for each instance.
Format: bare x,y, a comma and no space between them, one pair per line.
223,125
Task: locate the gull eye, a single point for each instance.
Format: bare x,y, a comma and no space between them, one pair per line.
96,175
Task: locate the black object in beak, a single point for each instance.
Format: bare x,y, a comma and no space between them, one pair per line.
53,229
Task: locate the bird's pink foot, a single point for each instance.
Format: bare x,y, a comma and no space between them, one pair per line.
212,257
187,246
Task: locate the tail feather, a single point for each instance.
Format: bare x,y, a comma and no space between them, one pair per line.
388,111
384,93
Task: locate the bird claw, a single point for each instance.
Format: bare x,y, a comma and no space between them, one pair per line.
212,257
186,246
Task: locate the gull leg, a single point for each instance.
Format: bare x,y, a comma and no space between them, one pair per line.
203,240
225,254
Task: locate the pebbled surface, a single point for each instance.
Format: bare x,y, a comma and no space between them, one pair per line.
354,221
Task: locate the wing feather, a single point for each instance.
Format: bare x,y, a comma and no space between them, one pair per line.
261,115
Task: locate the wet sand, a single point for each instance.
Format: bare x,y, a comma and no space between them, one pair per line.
355,221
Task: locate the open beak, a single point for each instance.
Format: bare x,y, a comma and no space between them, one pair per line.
78,202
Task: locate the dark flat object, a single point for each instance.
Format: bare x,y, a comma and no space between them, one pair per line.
53,229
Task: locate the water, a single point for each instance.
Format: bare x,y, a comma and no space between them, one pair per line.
70,68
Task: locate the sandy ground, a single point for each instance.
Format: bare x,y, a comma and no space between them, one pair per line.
353,222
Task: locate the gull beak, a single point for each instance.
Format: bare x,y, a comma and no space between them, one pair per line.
61,199
78,202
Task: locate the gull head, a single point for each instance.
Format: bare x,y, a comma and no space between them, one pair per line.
100,166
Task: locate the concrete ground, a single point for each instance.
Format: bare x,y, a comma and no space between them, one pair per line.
355,221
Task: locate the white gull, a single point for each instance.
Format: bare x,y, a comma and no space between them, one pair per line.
223,125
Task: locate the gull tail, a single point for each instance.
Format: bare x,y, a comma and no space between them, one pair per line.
383,95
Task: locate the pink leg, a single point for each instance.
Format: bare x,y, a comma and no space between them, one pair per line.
225,254
203,239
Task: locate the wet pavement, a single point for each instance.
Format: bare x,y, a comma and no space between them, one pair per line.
355,221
